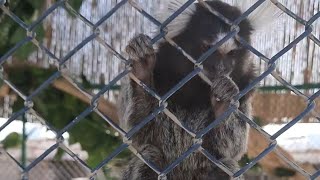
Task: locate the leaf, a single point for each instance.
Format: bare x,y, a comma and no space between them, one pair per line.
76,4
4,33
36,4
24,10
18,35
24,51
284,172
12,140
5,25
40,33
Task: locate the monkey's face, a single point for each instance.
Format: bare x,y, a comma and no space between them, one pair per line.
205,29
224,59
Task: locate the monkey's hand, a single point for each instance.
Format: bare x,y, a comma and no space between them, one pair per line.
143,58
223,90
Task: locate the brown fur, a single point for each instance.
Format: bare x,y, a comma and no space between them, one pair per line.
162,141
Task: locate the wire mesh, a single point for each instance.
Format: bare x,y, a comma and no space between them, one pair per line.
197,146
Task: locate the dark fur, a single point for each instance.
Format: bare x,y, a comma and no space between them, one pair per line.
162,141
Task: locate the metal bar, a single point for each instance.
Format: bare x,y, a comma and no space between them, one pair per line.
14,117
44,15
41,157
294,121
110,157
110,13
75,121
162,108
12,50
180,159
255,160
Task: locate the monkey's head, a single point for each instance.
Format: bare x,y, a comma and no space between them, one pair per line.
197,29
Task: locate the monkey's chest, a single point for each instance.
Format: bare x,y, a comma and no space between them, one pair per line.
172,69
175,139
192,95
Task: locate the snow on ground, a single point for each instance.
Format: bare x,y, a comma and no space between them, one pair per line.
302,141
33,130
39,140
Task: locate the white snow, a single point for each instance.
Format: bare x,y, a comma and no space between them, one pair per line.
33,130
302,140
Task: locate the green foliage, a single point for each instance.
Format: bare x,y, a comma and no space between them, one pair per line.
12,140
76,4
11,32
284,172
28,78
258,120
55,106
35,4
59,108
1,82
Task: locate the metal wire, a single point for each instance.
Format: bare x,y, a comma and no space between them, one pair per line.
94,36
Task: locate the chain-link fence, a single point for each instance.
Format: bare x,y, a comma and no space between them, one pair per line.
51,170
197,146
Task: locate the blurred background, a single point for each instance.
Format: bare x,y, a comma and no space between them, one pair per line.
94,66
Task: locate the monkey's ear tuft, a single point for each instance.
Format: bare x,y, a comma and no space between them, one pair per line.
264,16
180,22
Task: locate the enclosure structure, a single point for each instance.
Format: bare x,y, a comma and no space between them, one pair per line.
94,34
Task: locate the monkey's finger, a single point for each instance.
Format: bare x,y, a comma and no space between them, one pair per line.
220,107
138,45
148,45
141,47
147,40
132,53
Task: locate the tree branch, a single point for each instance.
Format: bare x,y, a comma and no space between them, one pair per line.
106,107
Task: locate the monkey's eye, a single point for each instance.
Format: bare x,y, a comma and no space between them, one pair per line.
206,47
232,52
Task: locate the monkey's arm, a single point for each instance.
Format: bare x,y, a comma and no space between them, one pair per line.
135,102
138,104
232,131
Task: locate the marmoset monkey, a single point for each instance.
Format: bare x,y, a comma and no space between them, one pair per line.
197,103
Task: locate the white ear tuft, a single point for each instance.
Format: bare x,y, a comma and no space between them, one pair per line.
264,16
180,22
